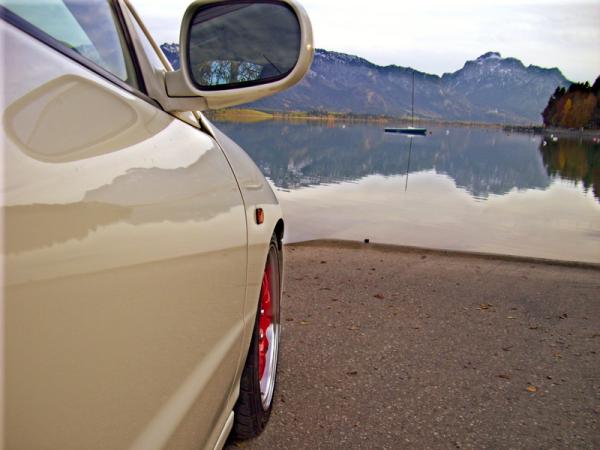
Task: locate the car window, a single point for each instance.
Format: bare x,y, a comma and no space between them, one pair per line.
89,27
156,62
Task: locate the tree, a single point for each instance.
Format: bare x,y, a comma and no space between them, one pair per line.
596,87
575,107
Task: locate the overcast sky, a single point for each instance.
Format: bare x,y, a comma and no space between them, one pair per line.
438,36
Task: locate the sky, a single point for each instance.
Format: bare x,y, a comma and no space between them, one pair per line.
437,36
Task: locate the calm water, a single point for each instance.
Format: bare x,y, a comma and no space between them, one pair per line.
459,188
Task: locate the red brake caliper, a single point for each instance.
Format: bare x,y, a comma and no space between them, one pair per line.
265,320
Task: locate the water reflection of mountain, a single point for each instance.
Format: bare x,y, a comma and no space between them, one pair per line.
480,160
575,160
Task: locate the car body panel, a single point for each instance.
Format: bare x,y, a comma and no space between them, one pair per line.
126,251
257,193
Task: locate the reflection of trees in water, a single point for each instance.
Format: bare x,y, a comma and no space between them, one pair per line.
481,161
575,160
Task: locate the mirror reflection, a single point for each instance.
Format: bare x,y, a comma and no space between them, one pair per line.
573,159
459,188
242,44
482,161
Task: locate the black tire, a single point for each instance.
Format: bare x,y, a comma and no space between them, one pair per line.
253,408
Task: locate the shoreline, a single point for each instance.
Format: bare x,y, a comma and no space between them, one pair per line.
548,131
357,245
365,118
256,115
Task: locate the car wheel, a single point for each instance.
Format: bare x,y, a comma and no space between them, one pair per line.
257,384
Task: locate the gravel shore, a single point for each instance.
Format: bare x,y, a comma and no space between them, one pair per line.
392,348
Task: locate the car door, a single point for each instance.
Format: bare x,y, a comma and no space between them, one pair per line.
124,247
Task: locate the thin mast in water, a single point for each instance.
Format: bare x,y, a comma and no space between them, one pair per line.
411,131
412,112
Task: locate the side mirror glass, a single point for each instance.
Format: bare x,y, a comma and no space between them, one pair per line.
241,44
238,51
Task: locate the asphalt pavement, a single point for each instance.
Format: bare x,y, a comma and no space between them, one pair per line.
388,348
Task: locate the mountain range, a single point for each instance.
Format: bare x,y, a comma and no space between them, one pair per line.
488,89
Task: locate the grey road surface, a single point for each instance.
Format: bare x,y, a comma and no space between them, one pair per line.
387,348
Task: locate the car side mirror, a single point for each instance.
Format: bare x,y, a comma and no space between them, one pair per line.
239,51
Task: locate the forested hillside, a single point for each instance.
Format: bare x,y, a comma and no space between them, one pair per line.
575,107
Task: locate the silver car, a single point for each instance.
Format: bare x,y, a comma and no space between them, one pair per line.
142,247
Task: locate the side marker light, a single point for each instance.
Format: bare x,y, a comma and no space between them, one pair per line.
260,216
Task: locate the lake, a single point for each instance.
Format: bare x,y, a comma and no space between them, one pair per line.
458,188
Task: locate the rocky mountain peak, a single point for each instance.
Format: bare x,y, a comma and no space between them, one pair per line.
488,89
489,56
339,58
171,51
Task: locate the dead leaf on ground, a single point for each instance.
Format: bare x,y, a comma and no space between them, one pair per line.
380,296
504,376
303,322
531,389
352,372
485,306
353,328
